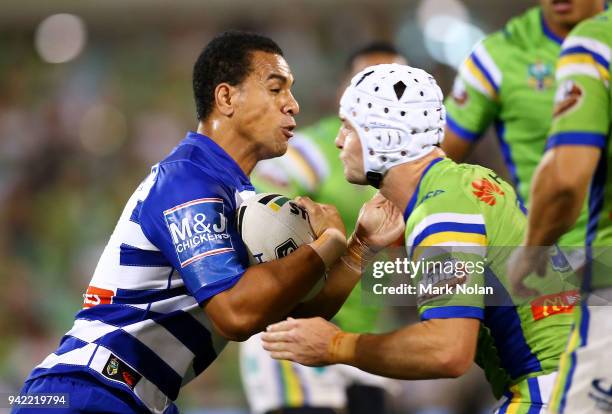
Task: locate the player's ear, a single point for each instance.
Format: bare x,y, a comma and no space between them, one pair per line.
225,98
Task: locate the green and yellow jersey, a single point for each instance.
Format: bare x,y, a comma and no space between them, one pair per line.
311,167
465,214
508,81
583,116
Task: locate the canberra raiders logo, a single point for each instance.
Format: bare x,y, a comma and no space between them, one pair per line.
540,75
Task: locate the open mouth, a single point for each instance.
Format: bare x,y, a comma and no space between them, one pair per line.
562,6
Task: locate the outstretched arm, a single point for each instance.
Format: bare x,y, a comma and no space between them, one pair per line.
437,348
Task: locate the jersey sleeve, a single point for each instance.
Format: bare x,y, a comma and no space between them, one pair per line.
190,217
450,249
474,100
582,101
301,171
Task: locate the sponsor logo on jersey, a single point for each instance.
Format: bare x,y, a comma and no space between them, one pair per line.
117,370
431,194
198,229
486,191
540,75
459,93
97,296
554,304
601,392
568,96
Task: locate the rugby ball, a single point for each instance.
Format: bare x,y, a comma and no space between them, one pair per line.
272,226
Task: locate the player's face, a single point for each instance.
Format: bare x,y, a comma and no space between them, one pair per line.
265,108
568,13
378,58
351,156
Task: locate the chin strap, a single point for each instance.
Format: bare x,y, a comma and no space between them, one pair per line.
374,178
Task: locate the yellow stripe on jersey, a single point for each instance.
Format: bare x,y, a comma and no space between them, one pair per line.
480,77
583,59
303,169
448,238
516,400
294,397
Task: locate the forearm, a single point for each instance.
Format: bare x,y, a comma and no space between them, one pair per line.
265,294
341,280
555,206
455,147
415,352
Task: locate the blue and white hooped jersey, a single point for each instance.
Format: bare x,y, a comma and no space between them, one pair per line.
141,328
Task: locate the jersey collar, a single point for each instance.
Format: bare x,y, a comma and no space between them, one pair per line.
547,32
413,199
210,147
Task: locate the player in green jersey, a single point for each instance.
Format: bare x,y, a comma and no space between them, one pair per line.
392,121
508,82
574,168
311,168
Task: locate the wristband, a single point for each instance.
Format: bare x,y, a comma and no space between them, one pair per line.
358,254
342,347
329,246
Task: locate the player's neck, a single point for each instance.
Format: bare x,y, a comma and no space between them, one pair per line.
230,141
559,30
401,181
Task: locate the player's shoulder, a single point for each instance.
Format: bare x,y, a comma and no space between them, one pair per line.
443,191
519,33
598,29
524,30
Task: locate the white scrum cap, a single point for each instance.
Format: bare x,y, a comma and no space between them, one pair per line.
398,113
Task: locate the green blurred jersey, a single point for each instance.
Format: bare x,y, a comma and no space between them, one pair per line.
508,81
582,116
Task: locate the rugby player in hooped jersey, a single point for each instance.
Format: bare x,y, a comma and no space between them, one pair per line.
172,285
392,122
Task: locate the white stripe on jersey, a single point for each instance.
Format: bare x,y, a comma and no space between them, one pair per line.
578,69
167,346
110,274
89,331
443,218
489,64
79,356
591,44
131,234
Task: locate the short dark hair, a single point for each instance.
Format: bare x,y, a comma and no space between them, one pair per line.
371,48
226,58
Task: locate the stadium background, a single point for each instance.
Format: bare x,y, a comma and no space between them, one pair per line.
93,93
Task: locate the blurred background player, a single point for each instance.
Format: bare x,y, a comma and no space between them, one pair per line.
574,168
508,81
518,351
311,167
